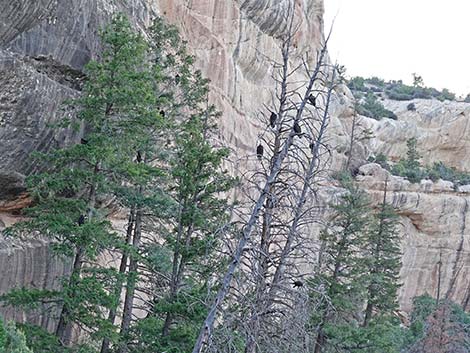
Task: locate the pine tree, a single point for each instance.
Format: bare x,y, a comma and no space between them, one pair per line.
443,333
412,155
356,282
336,285
191,237
382,262
117,105
437,327
12,340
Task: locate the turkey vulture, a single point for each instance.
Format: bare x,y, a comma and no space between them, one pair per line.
312,100
139,157
312,145
297,284
81,220
272,119
162,113
297,128
259,151
177,78
83,141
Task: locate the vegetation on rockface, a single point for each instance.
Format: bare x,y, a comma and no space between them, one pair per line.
396,90
12,340
371,107
412,169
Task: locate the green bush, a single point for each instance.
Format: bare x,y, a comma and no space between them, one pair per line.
380,159
357,84
440,171
374,109
411,168
397,90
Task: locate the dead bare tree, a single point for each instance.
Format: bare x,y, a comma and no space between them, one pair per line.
272,245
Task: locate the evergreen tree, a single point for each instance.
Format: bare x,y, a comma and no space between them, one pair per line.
336,285
356,283
412,155
192,230
437,327
117,106
382,262
12,340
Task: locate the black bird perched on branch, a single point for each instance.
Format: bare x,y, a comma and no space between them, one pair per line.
313,100
297,284
312,145
177,78
81,220
297,129
272,119
259,151
139,157
83,141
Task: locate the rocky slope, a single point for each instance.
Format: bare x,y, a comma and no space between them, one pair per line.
44,45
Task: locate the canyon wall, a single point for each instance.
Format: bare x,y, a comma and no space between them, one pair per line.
45,44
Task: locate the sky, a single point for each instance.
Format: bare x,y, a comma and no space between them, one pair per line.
393,39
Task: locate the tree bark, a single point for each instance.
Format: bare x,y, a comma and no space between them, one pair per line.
64,327
131,280
122,269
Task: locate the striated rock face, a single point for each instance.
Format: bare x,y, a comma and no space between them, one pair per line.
434,221
441,128
235,43
29,264
434,216
44,45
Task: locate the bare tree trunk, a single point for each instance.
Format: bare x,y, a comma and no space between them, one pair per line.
439,265
64,327
131,280
351,141
206,330
175,270
122,269
302,199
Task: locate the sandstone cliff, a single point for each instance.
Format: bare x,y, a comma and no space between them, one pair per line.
45,44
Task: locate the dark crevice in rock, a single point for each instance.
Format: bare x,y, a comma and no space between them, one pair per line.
456,269
63,74
11,185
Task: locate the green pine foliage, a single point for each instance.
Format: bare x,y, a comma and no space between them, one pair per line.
355,285
371,107
411,168
149,147
336,285
437,327
12,340
191,233
382,262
